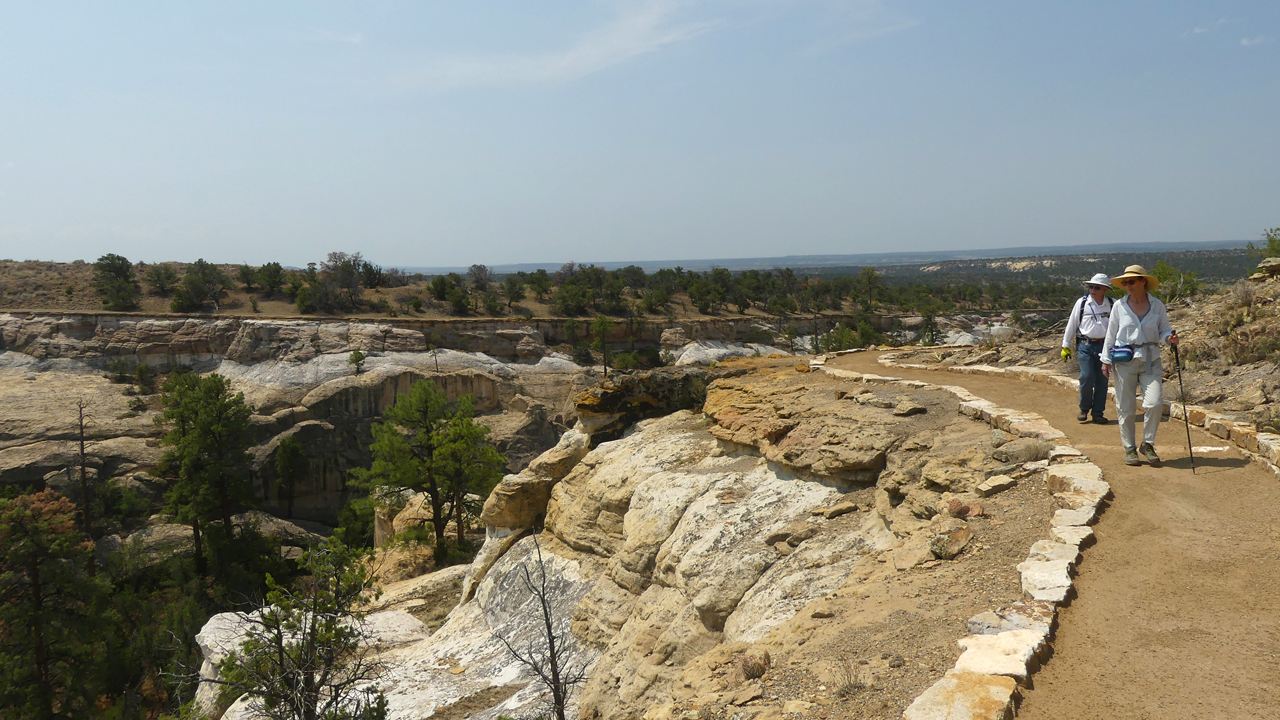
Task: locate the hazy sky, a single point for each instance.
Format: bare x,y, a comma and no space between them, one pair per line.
434,133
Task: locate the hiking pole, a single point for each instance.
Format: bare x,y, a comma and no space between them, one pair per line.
1185,420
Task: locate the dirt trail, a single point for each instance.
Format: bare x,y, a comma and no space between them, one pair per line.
1177,613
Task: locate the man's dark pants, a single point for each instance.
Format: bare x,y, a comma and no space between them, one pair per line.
1093,384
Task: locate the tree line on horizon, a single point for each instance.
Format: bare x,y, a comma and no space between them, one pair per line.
340,284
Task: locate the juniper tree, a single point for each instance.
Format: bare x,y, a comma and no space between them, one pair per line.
271,277
302,656
113,278
162,278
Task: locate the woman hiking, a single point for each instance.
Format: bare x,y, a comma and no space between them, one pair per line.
1131,354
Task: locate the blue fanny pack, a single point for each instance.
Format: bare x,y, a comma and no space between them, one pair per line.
1121,353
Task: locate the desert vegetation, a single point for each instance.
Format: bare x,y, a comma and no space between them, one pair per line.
346,284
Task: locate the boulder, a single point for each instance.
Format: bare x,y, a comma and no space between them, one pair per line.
519,501
673,338
605,411
995,484
1022,450
1269,267
949,538
559,460
1021,615
915,551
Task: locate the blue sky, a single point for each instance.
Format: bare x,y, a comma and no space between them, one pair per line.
433,133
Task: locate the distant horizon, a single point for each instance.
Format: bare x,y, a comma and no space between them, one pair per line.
796,262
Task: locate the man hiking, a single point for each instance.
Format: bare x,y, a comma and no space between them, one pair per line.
1086,329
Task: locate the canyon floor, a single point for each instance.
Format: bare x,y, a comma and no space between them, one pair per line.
1177,613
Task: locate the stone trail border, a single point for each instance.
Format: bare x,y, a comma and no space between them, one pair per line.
1007,645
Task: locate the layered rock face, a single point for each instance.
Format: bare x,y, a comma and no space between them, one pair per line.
295,376
170,342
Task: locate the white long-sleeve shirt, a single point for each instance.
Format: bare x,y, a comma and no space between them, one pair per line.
1142,334
1092,323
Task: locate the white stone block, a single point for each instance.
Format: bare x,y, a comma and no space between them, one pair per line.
1054,551
1008,653
1072,534
1047,580
965,696
1063,518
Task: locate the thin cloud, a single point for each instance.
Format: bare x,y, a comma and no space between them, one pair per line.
637,30
1202,29
1248,42
328,36
861,21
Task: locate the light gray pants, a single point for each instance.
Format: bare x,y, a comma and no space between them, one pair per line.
1132,379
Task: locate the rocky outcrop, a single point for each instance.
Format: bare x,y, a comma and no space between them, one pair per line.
710,352
798,422
165,342
520,501
608,409
29,464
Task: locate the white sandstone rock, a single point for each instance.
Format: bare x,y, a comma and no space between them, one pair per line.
1072,534
1008,653
1054,551
1047,580
1064,518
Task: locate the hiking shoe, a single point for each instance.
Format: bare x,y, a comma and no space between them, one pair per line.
1100,420
1083,416
1131,457
1149,452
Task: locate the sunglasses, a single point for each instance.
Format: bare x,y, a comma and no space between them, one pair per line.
1131,281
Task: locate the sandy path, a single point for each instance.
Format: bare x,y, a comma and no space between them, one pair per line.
1178,606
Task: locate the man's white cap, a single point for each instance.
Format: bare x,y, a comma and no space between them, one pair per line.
1100,279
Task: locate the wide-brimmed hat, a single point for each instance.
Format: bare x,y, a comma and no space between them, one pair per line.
1136,271
1100,280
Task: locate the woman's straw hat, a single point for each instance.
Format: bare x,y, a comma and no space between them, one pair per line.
1136,271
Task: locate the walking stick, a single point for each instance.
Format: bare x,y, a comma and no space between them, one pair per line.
1185,420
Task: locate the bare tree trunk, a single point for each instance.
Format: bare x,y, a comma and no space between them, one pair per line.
84,474
85,500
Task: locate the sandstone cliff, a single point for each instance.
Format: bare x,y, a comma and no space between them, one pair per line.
695,540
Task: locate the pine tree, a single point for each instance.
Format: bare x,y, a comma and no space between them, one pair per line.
49,615
427,445
466,464
291,466
208,441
